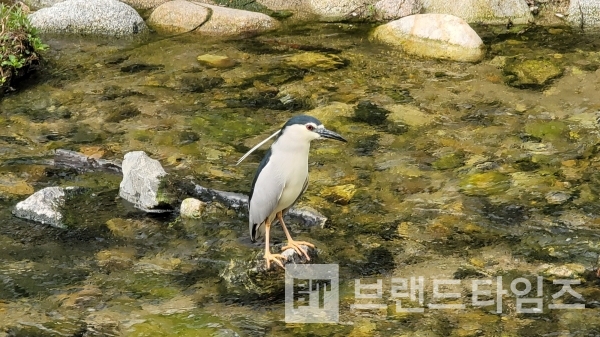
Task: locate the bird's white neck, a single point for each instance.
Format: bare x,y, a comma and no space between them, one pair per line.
295,139
287,144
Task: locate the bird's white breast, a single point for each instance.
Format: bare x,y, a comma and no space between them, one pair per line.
292,162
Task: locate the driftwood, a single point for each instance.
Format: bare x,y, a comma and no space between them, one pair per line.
239,202
82,163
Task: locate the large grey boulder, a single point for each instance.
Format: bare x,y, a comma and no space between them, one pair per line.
340,10
37,4
182,16
584,13
98,17
144,4
45,205
482,11
141,179
433,35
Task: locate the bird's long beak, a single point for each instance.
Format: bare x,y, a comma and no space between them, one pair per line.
330,135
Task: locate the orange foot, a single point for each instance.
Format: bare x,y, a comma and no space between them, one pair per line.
296,246
277,258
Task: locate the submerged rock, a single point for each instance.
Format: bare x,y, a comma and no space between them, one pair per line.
449,161
141,178
557,197
531,73
11,185
99,17
565,271
250,277
314,61
216,61
409,115
341,194
484,184
45,205
121,258
370,113
433,35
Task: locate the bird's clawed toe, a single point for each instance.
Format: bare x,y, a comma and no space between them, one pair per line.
277,258
296,246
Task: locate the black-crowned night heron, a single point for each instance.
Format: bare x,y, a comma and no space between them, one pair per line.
281,178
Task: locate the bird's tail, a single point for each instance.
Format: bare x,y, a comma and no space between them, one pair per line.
256,230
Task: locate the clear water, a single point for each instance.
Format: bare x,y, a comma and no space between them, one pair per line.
468,179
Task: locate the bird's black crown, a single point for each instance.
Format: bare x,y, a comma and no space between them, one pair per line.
301,119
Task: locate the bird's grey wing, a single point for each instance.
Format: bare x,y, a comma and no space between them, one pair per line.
265,196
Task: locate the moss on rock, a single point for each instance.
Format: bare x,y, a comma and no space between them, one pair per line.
19,46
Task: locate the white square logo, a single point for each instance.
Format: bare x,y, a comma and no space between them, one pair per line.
312,293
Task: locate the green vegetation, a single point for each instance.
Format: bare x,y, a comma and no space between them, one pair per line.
19,45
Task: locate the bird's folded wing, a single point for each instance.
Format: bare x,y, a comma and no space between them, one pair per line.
266,194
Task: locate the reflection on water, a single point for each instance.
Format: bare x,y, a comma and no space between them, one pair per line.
449,173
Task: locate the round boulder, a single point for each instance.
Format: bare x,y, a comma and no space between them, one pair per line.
181,16
98,17
584,13
492,12
439,36
178,16
235,22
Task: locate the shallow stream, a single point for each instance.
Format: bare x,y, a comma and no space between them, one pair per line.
449,173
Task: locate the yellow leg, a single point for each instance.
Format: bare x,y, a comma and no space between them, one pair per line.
268,256
291,242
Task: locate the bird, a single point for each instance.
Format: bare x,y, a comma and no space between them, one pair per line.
281,178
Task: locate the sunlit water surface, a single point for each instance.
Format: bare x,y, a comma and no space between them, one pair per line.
467,179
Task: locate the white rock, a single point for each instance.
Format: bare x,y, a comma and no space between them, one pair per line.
98,17
433,35
144,4
45,205
339,10
37,4
584,13
331,10
191,208
394,9
141,178
483,11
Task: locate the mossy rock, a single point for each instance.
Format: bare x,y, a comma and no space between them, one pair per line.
531,73
484,184
449,161
315,61
547,130
21,46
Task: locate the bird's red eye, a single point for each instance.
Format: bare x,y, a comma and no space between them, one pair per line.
310,127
